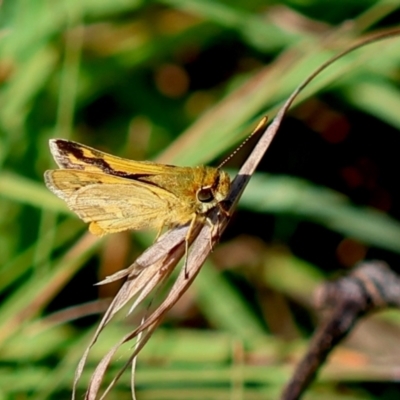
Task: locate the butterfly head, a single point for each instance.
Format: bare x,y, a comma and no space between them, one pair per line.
215,188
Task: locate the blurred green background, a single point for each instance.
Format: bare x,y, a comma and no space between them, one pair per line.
184,82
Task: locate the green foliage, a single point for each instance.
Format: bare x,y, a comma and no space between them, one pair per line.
184,82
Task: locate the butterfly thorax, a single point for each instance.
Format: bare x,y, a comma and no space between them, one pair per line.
198,188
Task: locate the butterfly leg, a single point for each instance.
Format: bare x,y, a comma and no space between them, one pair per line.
212,227
217,226
187,238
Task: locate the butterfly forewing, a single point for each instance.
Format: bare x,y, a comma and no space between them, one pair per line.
73,155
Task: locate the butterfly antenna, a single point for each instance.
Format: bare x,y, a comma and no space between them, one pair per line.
259,128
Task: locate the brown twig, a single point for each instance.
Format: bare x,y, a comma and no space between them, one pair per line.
371,286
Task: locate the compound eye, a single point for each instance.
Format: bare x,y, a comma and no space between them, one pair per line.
205,195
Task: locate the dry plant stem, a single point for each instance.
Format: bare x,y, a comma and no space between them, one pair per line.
370,287
150,324
156,263
133,365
